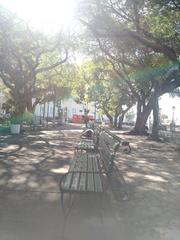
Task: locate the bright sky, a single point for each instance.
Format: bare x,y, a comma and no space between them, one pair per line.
47,15
166,103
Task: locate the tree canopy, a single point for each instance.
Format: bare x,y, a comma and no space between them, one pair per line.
28,57
141,39
132,56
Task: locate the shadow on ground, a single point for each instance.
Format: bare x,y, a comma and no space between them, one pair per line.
30,208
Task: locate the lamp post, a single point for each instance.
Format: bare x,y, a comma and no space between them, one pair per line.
172,124
173,110
160,111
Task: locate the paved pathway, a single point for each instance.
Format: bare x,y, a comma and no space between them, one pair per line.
30,209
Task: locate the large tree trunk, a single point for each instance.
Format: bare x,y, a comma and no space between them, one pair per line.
111,120
156,120
115,121
120,122
140,125
109,117
143,112
19,103
29,105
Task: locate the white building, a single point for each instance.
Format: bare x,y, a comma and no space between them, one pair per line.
69,107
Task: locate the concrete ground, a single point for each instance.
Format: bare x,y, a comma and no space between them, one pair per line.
30,208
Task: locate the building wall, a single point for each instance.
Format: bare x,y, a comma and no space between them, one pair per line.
72,107
39,110
68,106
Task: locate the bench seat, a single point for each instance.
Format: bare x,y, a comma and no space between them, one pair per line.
84,175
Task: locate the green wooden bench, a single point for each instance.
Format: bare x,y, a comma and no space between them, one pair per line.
88,172
115,177
170,136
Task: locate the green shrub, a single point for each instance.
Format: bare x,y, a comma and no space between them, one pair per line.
26,117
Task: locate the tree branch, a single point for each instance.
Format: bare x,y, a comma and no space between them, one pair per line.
44,69
150,42
4,79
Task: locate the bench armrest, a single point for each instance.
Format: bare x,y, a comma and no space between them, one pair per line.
126,144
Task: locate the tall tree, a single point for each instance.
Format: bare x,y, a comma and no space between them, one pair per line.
137,35
24,55
106,89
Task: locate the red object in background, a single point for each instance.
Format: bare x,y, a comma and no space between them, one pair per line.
90,117
80,118
77,118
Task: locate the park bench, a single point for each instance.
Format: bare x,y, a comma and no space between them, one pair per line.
165,135
111,139
37,124
170,136
89,172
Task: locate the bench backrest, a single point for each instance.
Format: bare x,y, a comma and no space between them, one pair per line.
114,138
109,140
97,132
170,136
114,135
107,154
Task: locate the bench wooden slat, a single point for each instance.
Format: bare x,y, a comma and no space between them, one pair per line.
97,178
68,179
67,182
80,165
94,166
70,182
73,164
90,182
82,182
75,181
97,183
83,168
90,178
83,163
105,154
90,163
